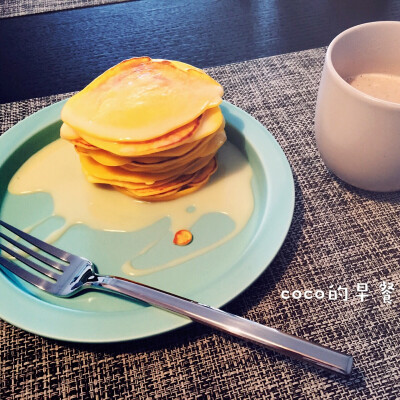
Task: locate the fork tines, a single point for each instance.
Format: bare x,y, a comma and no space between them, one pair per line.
20,252
40,244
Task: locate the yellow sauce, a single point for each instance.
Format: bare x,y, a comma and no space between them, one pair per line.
56,170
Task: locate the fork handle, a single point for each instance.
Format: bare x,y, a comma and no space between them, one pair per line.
237,326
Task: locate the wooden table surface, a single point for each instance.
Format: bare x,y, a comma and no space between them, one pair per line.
60,52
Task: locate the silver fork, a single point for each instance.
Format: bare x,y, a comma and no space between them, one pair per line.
75,274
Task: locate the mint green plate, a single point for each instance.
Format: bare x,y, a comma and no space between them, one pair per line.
213,278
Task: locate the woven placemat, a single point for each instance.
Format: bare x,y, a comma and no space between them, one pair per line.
339,237
14,8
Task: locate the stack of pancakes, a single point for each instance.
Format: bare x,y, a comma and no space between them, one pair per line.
150,128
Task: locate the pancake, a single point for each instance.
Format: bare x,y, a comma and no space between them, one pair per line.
202,126
202,148
198,180
148,128
141,99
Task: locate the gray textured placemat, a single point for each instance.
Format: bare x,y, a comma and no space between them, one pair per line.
339,237
14,8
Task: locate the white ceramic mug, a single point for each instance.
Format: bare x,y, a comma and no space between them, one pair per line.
358,135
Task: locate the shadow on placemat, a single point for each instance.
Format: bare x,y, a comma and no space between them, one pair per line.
386,197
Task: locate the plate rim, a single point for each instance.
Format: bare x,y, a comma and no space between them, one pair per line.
31,125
